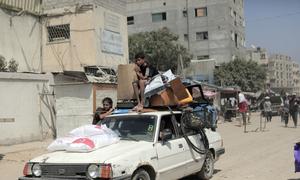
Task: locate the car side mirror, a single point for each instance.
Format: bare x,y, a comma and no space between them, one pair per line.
166,134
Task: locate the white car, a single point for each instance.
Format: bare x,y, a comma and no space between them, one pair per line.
152,146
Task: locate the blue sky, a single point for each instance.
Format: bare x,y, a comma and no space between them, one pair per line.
274,25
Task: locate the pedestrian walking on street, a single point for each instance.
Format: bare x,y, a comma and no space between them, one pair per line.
268,109
294,105
243,106
285,111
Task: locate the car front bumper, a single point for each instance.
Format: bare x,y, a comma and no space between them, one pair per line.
48,178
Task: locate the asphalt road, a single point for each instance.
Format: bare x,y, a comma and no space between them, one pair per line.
255,155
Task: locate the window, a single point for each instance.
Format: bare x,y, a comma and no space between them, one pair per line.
58,32
200,36
184,13
157,17
186,37
203,57
236,40
201,12
166,123
130,20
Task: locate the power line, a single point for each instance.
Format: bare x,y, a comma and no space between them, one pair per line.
273,17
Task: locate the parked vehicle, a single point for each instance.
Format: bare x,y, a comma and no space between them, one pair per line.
152,146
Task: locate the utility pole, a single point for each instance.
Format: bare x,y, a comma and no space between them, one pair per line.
187,24
180,68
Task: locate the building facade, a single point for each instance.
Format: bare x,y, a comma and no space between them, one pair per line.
280,68
84,32
59,35
208,29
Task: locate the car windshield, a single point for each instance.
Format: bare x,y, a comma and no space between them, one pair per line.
134,127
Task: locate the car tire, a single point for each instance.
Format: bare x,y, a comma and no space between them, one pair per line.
141,174
207,169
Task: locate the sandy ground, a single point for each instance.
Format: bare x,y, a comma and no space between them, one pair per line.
255,155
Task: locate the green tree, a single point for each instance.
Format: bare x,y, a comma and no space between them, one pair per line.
13,65
3,64
161,48
248,75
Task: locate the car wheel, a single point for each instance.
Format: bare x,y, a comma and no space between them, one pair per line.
207,169
141,174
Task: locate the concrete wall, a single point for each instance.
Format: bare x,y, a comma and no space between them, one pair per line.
20,39
87,37
74,107
75,104
104,90
201,70
23,115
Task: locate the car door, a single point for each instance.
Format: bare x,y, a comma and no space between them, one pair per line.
193,160
171,154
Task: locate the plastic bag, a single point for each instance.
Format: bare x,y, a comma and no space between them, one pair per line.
85,139
87,130
92,143
61,144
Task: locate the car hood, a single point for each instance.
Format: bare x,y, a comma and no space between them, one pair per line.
100,155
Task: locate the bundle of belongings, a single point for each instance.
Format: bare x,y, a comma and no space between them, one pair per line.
85,139
166,90
200,116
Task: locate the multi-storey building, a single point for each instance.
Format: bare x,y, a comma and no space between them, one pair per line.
280,68
296,78
208,29
259,55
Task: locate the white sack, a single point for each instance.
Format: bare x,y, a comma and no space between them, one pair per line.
85,139
61,144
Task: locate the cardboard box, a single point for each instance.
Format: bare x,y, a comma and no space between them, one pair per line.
179,89
126,76
166,98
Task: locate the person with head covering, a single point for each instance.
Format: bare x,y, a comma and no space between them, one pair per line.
268,109
243,106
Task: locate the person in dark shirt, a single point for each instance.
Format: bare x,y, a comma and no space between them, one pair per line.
293,108
102,112
144,72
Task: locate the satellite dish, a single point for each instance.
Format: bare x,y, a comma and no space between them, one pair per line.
253,46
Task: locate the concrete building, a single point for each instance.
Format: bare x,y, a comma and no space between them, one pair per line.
208,29
280,68
20,35
261,56
84,32
58,35
296,78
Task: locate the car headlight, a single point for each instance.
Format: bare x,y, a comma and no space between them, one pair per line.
36,170
93,171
